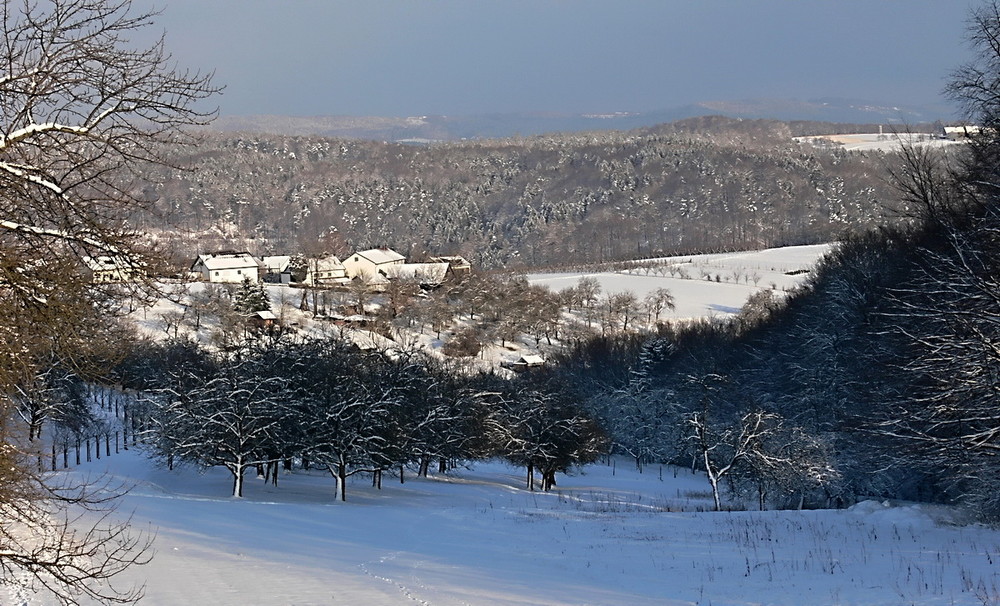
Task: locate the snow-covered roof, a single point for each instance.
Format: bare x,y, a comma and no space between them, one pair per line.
456,261
330,263
218,261
531,360
425,273
266,315
276,264
378,256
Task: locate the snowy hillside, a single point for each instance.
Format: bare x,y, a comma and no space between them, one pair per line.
703,285
710,285
607,535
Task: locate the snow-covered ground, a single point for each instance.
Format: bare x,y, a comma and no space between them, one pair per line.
882,142
703,285
608,535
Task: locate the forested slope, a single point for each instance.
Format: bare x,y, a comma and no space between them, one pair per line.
698,185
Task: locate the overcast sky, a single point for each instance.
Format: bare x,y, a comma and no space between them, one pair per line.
455,57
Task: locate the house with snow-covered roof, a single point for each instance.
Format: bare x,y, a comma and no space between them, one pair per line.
372,263
427,275
105,269
457,265
227,267
325,271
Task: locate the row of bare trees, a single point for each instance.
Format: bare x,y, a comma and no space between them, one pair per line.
324,404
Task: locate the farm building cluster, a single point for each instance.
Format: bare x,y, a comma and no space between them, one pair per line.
374,267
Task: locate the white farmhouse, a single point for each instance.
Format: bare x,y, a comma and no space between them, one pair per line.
325,271
372,263
226,267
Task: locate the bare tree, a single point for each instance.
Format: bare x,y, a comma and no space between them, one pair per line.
723,447
82,115
657,301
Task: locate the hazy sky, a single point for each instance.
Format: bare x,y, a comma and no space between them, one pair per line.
417,57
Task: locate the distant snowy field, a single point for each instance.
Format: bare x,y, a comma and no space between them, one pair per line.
713,285
886,142
608,535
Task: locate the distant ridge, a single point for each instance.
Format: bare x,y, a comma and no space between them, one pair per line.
422,129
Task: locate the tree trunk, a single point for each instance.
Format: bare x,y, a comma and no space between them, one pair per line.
342,480
715,491
531,477
237,471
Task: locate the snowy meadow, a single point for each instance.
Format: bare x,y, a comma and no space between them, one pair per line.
606,535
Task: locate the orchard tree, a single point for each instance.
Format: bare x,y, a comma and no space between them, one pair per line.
232,417
534,422
83,113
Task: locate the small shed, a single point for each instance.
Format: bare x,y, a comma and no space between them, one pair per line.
527,361
263,320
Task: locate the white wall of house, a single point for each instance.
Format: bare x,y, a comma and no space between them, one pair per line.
372,263
233,275
227,268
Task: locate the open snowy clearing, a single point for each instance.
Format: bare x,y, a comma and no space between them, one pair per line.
707,285
881,142
608,535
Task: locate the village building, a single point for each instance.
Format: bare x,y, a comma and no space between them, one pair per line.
108,270
263,320
372,263
961,132
226,267
525,362
325,271
458,266
427,275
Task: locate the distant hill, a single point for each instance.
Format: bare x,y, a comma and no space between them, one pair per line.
422,129
697,185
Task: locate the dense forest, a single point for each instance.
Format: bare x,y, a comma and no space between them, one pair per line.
703,184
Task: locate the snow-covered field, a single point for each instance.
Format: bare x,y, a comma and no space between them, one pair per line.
608,535
881,142
703,285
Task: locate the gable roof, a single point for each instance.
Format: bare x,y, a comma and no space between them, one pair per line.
425,273
234,260
456,261
328,263
378,256
276,263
